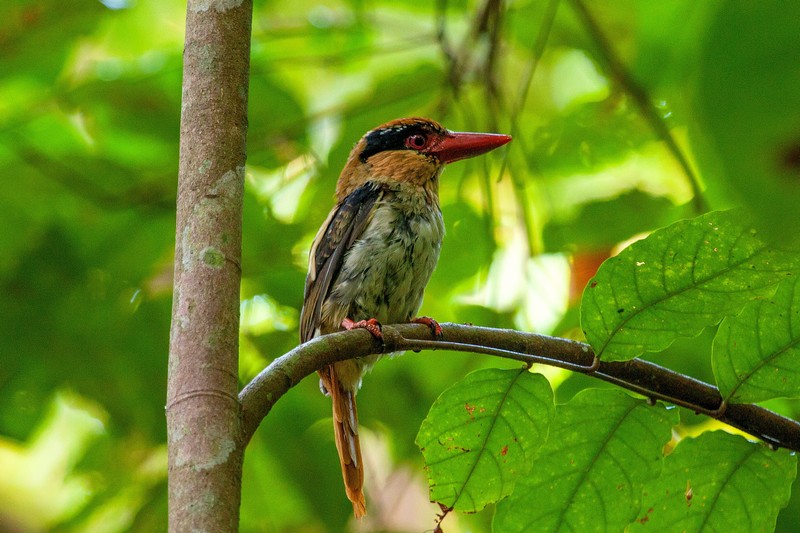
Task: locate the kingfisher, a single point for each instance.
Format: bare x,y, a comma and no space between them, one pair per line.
374,254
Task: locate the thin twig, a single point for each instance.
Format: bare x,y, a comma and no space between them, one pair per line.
520,186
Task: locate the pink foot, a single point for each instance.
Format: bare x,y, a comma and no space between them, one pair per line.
371,325
436,329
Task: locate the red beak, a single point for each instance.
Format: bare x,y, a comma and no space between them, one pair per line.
459,145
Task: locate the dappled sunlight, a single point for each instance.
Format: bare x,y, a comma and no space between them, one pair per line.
537,288
46,481
650,170
281,189
45,465
575,80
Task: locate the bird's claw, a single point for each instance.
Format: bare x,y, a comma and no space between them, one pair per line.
371,325
436,329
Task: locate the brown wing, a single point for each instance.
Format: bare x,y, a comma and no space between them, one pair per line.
344,225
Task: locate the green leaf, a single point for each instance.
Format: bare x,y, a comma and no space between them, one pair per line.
603,446
677,281
718,482
480,435
756,354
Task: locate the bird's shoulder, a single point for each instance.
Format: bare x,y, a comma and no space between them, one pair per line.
344,224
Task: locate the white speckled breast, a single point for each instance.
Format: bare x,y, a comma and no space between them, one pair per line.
384,274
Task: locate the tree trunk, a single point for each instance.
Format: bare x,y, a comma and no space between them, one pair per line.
203,411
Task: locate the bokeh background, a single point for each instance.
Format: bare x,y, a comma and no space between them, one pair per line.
627,115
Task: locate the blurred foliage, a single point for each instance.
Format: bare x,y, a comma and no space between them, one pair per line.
89,120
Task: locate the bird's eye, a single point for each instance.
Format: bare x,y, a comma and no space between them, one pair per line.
416,142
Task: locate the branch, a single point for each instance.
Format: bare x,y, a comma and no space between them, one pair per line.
203,422
648,379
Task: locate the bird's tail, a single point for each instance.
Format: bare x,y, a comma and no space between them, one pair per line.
345,428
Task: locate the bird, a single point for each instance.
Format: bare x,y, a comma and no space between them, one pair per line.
373,256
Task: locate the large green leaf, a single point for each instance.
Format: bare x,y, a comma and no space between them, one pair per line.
756,354
718,482
678,281
480,435
603,446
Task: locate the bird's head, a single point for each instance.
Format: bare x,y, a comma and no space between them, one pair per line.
412,151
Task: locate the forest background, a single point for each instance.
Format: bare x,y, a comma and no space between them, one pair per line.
627,116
